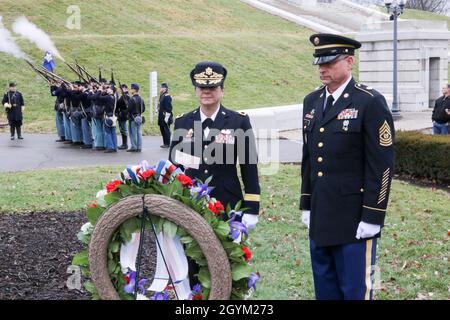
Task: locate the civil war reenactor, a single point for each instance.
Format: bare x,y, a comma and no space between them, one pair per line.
347,167
83,113
75,112
209,140
14,106
106,97
98,116
136,109
57,91
165,115
122,115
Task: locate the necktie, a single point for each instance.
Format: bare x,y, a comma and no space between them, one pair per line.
206,125
329,105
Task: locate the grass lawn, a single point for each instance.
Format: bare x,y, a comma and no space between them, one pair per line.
268,59
412,254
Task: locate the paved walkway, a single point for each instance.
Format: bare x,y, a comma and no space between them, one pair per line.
39,151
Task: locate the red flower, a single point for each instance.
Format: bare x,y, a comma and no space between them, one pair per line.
216,208
147,174
127,279
112,186
185,180
247,253
198,297
93,205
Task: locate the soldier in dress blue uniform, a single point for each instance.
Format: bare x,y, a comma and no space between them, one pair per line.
165,115
347,167
209,140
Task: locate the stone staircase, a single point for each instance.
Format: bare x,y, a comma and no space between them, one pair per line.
342,16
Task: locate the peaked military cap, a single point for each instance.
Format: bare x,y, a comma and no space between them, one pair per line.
164,85
208,74
12,84
330,46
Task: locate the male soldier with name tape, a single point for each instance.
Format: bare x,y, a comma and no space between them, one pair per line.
347,167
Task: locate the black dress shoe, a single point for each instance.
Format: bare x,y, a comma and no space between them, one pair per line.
86,146
60,140
68,142
100,148
131,150
138,150
12,138
123,147
20,138
110,151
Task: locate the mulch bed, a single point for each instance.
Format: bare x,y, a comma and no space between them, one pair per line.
37,248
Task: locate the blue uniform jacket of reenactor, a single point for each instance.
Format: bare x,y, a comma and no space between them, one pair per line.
347,163
165,106
227,144
14,114
136,106
60,94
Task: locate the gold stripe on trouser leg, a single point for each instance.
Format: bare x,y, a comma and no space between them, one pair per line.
368,268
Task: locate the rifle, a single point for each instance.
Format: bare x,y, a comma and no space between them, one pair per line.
76,72
43,75
123,94
88,74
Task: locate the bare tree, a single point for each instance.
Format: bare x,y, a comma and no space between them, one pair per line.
438,6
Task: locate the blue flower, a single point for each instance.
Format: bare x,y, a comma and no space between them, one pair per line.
129,288
237,228
160,296
202,190
233,214
254,278
197,288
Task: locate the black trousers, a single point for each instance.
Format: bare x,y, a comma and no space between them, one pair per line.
14,129
165,132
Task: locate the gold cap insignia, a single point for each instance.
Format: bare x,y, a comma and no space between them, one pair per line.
208,77
316,41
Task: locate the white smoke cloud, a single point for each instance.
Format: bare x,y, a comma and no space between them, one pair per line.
7,44
30,31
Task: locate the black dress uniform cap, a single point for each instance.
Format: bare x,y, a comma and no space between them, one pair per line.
329,46
12,84
208,74
135,86
164,85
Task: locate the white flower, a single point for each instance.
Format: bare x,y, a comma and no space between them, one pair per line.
101,198
87,228
141,297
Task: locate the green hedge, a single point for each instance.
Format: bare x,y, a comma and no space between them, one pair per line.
423,156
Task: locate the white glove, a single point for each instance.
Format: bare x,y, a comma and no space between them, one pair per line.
306,214
250,220
367,230
7,105
166,117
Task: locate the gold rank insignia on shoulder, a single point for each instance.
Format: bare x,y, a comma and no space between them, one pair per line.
385,135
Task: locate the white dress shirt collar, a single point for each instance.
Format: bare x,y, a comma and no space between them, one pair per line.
339,91
213,117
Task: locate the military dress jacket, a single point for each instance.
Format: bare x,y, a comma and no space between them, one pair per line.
231,135
347,163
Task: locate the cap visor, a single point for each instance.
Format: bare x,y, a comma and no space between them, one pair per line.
324,59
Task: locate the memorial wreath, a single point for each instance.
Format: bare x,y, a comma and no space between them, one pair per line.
154,189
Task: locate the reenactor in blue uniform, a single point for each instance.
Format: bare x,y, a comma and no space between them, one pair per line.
165,115
14,103
57,91
347,167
